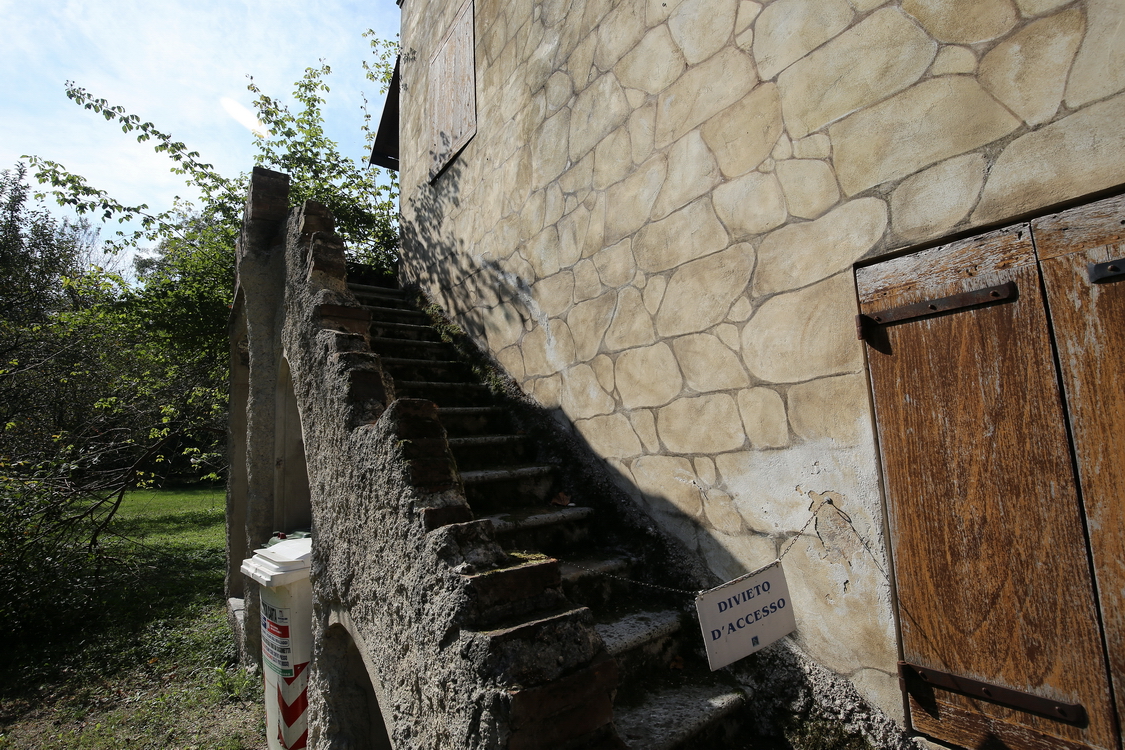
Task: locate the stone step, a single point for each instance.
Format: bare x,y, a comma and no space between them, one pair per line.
473,420
595,579
524,587
395,291
556,580
544,529
444,394
519,647
407,331
435,370
643,640
495,489
381,296
485,451
510,473
408,349
680,716
381,313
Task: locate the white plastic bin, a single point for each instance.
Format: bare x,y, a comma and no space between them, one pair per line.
282,569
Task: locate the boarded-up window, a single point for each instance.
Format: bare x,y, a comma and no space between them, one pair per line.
452,92
998,369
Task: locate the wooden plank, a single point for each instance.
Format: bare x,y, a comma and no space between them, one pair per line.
900,281
943,720
451,92
989,551
1082,228
463,117
1089,326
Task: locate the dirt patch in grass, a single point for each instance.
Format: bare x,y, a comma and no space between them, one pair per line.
150,663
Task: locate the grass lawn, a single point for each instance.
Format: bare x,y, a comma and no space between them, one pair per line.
151,664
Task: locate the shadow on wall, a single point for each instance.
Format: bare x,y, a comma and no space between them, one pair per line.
460,281
442,264
786,688
782,681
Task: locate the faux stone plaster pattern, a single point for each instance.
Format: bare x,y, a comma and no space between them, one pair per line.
708,364
787,30
692,171
763,418
702,27
805,334
610,436
750,205
809,185
703,424
1099,69
963,21
647,376
662,132
935,200
687,234
668,479
954,59
743,135
701,93
931,121
800,254
870,61
1027,71
1035,170
631,324
700,293
653,64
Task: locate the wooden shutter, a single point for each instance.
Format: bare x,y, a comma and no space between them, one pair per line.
1089,325
452,96
992,576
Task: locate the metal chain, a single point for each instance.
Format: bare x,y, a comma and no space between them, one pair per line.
629,580
669,589
795,537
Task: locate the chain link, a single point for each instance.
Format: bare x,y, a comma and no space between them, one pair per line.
795,537
630,580
686,592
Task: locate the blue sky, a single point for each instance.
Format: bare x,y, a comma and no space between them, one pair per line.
173,62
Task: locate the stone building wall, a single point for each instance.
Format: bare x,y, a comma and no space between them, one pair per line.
655,227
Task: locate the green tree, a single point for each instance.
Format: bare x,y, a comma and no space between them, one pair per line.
131,377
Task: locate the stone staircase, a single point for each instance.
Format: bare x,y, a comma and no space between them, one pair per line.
568,558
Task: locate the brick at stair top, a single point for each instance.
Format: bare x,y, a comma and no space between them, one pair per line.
268,199
327,255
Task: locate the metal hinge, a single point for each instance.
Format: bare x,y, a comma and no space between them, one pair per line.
1112,270
999,293
912,677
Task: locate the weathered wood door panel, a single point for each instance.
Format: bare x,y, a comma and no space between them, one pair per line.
452,97
1089,325
989,550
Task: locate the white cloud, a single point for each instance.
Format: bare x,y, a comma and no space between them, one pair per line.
180,64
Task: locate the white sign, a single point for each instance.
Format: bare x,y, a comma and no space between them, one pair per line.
745,615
